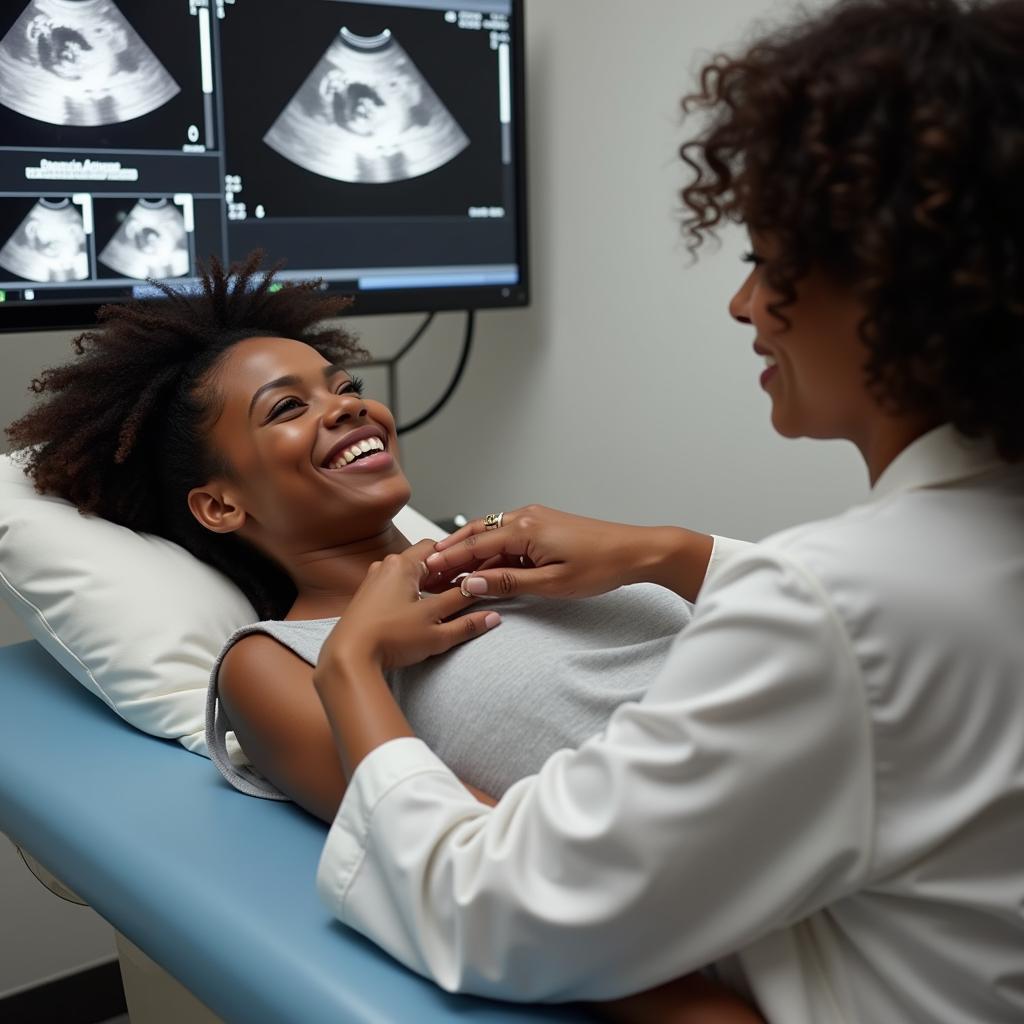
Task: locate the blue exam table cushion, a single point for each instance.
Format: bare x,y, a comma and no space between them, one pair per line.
217,888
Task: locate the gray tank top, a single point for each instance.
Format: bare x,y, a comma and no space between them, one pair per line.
494,709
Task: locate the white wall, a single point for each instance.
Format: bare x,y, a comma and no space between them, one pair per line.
624,391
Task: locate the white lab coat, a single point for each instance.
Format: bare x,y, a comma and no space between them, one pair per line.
823,790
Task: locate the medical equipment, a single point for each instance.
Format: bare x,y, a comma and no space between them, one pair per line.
376,146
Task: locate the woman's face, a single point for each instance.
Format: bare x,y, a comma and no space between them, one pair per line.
313,464
814,368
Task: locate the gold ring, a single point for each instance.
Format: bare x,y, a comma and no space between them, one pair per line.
493,520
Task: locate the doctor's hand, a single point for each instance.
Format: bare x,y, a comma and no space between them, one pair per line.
391,624
537,550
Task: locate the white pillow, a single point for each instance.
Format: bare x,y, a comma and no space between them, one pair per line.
134,618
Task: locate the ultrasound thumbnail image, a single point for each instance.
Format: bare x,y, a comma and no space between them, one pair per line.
80,63
151,241
49,244
366,114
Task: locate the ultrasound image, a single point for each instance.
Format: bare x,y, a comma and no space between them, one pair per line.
366,114
151,242
81,64
49,244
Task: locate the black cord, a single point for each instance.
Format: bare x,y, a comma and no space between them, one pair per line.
467,347
71,897
392,363
416,335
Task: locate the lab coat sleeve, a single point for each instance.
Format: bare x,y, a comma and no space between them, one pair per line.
722,549
734,799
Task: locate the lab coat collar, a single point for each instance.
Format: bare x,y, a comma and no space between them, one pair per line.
941,456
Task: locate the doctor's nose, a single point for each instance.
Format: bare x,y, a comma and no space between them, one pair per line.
739,305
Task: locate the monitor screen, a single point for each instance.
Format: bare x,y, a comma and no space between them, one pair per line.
376,145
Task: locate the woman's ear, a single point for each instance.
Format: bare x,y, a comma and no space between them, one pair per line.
215,508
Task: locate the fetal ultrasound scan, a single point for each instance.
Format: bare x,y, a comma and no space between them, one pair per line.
80,63
366,114
150,242
49,244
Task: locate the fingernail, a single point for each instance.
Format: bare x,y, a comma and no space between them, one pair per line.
490,621
475,585
433,560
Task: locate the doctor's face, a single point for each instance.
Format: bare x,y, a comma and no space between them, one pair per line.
812,369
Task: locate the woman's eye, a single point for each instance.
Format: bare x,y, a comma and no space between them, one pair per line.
752,257
285,406
354,386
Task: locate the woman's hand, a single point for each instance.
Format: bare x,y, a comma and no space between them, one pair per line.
389,623
539,550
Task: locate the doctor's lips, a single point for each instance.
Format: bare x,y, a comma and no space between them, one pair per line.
357,446
771,364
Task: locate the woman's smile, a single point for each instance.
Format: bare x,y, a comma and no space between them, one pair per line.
771,365
375,461
363,450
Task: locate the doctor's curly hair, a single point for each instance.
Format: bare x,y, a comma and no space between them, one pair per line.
882,143
121,431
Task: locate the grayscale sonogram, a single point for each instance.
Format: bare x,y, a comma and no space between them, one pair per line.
151,242
80,63
49,244
366,114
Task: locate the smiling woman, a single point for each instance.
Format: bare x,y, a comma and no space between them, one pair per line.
307,464
230,423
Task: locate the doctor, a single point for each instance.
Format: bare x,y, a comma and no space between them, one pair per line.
823,792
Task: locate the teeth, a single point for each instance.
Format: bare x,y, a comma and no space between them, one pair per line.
770,360
349,455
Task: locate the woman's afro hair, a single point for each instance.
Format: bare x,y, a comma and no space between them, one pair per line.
121,430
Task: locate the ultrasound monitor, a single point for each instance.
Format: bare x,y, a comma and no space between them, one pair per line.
375,145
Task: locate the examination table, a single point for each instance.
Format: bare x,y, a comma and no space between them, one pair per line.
216,888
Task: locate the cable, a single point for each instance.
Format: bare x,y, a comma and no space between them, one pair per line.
392,363
467,347
416,335
413,338
49,880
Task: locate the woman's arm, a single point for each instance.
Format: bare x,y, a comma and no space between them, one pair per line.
280,723
267,692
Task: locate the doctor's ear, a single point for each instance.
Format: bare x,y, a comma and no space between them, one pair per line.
215,509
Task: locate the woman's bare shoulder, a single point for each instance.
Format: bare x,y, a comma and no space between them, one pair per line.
255,668
268,694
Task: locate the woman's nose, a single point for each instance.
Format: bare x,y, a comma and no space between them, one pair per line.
347,406
739,304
